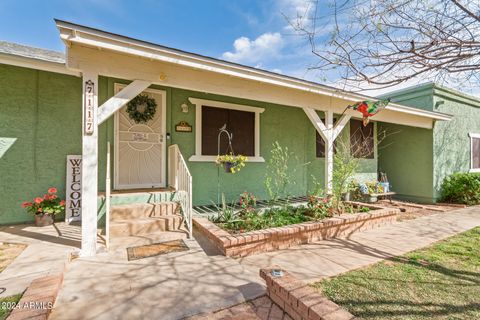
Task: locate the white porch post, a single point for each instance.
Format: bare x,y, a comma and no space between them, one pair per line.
89,164
92,116
329,151
329,133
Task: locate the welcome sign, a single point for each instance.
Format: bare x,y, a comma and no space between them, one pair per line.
73,190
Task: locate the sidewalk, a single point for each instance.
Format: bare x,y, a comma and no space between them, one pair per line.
46,254
328,258
169,286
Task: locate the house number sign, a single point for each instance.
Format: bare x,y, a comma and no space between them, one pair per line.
88,107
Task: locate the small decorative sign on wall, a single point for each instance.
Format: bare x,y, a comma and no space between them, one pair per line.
88,107
73,190
183,126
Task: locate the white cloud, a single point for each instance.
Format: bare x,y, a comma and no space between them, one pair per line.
248,51
297,11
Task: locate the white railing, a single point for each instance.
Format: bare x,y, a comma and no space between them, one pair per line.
179,177
107,199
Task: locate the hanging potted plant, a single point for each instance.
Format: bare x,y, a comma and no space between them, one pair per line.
45,208
231,163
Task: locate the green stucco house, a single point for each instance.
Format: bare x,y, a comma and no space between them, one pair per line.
58,108
417,160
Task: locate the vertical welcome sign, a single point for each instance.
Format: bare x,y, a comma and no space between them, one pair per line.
73,190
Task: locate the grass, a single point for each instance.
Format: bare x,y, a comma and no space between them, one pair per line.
438,282
5,305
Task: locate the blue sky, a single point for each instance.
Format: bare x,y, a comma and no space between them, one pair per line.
249,32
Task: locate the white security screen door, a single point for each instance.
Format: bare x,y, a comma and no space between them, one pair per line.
140,147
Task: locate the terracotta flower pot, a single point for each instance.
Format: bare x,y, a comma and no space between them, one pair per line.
43,220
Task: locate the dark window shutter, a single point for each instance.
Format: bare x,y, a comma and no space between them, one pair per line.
242,125
239,123
361,139
475,153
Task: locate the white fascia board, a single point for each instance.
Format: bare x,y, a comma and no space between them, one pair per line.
419,112
38,64
100,39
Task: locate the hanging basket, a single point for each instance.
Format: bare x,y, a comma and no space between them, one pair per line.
231,163
228,166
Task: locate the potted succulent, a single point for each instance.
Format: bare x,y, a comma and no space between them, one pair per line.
368,190
45,208
352,189
231,163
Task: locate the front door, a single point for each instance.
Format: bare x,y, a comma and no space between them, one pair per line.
140,147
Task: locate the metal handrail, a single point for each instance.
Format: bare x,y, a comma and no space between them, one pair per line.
179,177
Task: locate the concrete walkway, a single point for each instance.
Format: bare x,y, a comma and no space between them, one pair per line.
46,254
182,284
169,286
328,258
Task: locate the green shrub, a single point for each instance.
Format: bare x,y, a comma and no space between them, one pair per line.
461,188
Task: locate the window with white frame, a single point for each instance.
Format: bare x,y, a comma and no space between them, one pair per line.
474,152
242,121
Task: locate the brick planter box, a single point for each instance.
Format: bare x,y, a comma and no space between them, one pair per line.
241,245
300,301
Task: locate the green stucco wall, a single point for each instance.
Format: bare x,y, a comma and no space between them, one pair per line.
451,141
432,154
40,124
405,155
41,113
289,126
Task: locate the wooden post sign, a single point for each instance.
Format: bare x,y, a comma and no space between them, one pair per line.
88,107
73,190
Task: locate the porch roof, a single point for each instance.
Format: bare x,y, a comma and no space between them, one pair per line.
85,43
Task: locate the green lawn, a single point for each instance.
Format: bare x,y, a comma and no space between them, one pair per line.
438,282
5,303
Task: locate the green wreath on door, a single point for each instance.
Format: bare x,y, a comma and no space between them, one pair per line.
142,108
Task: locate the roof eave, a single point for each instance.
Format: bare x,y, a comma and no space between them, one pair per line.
70,32
33,63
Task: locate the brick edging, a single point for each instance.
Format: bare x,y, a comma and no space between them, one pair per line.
38,300
240,245
299,300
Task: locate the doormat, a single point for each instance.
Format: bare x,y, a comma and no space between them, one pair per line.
156,249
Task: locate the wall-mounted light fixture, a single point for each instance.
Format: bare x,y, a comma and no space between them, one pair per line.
184,107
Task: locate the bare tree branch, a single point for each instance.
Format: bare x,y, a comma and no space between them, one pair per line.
387,42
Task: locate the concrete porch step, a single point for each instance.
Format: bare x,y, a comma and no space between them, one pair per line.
144,210
122,242
141,226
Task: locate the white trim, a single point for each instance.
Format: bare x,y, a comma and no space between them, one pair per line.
317,122
473,136
196,158
121,98
89,170
329,133
340,125
199,103
73,33
38,64
225,105
117,88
